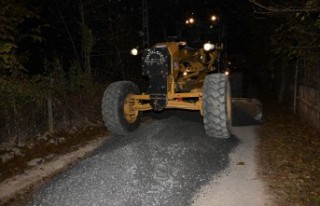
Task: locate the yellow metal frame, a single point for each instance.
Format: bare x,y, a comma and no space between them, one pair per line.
175,100
130,113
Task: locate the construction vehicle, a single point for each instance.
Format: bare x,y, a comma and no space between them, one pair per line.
180,77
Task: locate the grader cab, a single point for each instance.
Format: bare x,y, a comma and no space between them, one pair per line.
180,77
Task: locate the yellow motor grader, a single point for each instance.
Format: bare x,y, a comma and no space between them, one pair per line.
180,77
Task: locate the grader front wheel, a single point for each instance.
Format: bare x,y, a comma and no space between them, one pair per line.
118,112
217,106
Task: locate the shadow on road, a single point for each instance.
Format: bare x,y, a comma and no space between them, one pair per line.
245,112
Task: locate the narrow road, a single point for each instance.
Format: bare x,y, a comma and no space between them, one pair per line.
165,162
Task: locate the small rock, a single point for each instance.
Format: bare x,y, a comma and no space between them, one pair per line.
6,157
52,141
4,145
30,145
21,143
73,130
16,151
50,156
36,161
61,139
45,136
240,163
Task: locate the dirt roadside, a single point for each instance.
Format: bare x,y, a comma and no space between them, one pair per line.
43,157
289,157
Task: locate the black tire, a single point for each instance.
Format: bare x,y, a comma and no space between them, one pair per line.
113,108
216,106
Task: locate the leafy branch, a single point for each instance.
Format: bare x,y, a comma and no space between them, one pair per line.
13,14
277,8
298,29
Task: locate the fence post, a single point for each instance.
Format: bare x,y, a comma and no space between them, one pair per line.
295,87
50,110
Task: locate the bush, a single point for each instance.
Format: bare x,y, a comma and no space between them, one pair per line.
24,103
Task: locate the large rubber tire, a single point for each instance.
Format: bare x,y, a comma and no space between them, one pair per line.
216,106
113,108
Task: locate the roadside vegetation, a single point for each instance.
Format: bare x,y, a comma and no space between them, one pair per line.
55,65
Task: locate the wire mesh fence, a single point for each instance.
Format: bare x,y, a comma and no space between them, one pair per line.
308,94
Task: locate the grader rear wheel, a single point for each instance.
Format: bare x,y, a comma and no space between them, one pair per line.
217,106
118,111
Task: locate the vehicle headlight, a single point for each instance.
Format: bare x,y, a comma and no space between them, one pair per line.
208,46
134,52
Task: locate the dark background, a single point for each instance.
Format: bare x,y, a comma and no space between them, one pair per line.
118,24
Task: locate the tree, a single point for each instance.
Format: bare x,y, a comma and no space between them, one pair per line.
299,29
296,35
13,14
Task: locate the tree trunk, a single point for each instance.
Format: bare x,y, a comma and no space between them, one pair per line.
50,110
283,81
50,115
295,87
69,33
83,36
87,41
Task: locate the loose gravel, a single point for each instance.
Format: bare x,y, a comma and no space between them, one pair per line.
164,162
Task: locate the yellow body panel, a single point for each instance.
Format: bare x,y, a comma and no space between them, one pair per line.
188,69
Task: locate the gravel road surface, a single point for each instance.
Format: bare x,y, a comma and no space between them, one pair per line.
165,162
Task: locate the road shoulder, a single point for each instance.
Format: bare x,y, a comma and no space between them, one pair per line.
239,184
14,189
